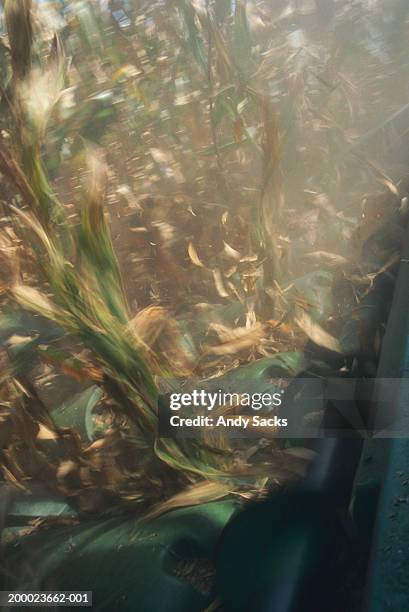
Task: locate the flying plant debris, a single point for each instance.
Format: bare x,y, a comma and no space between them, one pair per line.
146,232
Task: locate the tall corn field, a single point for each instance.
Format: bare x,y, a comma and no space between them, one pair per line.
183,185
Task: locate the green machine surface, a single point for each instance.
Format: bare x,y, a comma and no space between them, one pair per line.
161,565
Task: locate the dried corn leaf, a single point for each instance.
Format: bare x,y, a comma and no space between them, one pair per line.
33,299
201,493
194,257
231,253
219,283
316,333
325,258
235,340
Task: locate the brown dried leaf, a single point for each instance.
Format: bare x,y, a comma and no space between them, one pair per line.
231,253
316,333
201,493
325,258
235,340
148,324
32,298
391,186
44,433
194,257
161,337
218,281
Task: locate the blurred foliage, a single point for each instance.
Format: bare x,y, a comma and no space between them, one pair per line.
184,185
